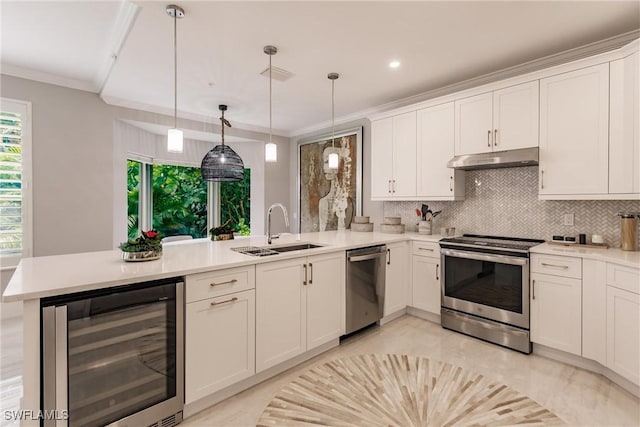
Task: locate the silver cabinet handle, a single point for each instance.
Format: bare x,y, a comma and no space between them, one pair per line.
533,289
304,282
228,282
234,299
388,256
437,270
554,265
495,137
425,249
389,191
489,138
393,185
310,273
451,183
541,179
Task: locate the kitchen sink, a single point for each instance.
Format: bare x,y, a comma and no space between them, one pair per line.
254,251
273,250
295,247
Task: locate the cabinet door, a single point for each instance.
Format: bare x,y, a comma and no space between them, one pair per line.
435,149
395,293
226,322
381,157
556,312
623,333
624,130
325,298
280,312
574,132
404,155
474,124
426,284
515,117
594,310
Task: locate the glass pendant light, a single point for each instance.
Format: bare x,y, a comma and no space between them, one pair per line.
222,163
334,159
270,148
174,136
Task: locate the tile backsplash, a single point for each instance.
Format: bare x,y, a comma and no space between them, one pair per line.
505,202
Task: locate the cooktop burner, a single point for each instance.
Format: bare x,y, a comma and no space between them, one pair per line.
480,241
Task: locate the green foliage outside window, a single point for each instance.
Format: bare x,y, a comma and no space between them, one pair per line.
236,203
180,201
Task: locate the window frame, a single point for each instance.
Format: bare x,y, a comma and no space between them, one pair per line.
24,109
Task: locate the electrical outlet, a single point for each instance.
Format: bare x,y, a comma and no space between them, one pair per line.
567,219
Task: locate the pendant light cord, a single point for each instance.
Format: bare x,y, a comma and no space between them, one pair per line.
333,97
175,70
270,101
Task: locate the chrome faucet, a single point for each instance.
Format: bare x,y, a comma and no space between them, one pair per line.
286,220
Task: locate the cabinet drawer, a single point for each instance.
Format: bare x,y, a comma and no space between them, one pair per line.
622,277
426,249
557,265
215,283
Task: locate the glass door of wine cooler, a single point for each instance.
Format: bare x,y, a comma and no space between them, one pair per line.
123,355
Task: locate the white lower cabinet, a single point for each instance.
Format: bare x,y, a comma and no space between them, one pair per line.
299,306
623,321
395,294
425,277
594,310
556,312
219,343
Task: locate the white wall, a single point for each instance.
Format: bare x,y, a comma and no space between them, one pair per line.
370,208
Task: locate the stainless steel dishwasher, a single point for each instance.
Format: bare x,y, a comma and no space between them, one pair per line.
366,268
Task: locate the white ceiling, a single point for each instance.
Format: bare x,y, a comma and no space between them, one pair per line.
220,50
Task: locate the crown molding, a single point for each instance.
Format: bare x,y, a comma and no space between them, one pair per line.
581,52
43,77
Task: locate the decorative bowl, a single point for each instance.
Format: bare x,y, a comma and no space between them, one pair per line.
225,236
141,256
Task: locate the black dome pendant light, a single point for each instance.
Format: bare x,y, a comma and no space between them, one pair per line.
222,163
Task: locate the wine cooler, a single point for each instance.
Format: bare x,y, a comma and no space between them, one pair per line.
114,356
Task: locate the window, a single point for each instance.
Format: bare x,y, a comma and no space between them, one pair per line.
15,177
176,200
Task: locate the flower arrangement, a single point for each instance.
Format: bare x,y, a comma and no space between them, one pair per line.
149,241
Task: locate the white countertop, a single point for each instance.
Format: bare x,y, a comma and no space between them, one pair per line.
41,277
615,255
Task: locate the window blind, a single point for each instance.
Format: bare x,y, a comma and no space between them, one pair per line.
11,196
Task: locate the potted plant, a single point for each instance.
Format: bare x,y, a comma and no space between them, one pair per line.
223,232
146,247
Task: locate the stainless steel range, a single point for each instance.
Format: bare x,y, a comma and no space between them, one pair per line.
485,288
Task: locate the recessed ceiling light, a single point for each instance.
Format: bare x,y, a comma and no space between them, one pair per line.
394,64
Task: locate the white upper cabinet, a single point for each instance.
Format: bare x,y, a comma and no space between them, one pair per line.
435,148
504,119
393,157
474,124
624,127
515,117
574,133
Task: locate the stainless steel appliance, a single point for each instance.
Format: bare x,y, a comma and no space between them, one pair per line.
115,356
366,269
485,288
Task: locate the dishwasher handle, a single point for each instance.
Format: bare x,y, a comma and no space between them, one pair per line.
356,258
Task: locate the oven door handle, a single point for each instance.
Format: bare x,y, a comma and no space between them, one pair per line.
502,259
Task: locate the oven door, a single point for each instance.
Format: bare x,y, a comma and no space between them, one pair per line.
487,285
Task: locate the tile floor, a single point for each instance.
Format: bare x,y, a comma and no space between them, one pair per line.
575,395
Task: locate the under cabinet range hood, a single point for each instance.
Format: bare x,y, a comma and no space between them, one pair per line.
497,159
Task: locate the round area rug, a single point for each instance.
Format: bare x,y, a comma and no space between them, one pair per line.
399,390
